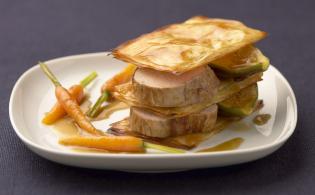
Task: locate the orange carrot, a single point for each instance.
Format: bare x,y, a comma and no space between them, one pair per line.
73,109
69,104
122,77
110,143
57,111
109,86
77,92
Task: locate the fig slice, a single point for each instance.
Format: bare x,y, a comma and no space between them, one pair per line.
240,104
245,61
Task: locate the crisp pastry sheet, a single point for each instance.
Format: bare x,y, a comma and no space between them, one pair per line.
227,88
178,48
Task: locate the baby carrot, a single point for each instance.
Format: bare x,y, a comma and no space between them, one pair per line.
110,143
57,111
109,86
77,92
122,77
74,111
69,104
117,144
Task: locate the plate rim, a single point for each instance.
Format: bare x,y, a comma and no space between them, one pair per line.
41,148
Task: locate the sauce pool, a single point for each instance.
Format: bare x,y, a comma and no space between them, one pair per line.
227,145
66,127
261,119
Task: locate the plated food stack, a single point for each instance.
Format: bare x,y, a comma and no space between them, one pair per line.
187,73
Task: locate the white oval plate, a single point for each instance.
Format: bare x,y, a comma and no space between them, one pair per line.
33,95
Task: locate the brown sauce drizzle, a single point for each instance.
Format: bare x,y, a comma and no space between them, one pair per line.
261,119
227,145
66,127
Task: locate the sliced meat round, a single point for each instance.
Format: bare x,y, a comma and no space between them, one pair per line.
164,89
152,124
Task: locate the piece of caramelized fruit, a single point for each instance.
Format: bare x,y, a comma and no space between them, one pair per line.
245,61
241,104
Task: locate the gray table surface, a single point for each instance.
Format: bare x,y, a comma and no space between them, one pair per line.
41,30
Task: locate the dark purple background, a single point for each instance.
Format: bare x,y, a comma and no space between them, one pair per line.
40,30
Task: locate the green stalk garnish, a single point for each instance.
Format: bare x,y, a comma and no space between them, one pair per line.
49,74
163,148
96,107
87,80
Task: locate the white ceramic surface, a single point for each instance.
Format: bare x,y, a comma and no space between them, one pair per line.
33,95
